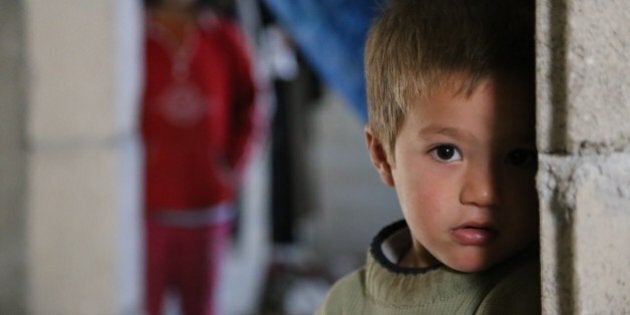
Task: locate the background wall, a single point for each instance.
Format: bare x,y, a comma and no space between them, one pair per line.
352,202
13,164
69,87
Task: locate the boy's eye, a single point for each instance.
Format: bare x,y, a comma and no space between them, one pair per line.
446,153
522,158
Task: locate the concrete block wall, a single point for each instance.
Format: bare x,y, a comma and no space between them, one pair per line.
83,228
69,170
583,95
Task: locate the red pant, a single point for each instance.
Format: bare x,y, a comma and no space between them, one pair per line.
187,260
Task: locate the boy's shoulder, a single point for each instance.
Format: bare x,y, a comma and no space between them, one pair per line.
518,292
346,293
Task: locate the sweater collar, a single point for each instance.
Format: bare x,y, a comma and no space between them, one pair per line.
392,284
391,244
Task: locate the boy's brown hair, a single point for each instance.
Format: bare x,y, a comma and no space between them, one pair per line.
415,46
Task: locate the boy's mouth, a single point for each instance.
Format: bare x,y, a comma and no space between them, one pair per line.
474,234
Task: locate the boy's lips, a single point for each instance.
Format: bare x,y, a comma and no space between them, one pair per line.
473,234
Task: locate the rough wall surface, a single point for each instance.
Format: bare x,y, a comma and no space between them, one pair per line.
12,157
583,96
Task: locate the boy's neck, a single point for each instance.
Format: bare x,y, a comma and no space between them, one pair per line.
417,257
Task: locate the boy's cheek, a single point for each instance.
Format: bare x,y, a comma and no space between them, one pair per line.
525,195
520,187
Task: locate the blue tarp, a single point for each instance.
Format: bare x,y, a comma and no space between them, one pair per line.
331,34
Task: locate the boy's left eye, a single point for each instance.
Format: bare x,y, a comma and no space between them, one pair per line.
522,158
446,153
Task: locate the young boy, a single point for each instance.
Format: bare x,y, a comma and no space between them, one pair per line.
451,127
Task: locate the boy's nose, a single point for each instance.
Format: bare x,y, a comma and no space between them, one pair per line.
480,187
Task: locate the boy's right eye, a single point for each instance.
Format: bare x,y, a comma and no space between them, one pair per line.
446,153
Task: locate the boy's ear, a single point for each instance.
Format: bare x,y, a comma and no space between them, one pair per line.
378,157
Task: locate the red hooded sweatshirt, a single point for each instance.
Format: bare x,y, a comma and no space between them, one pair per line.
196,116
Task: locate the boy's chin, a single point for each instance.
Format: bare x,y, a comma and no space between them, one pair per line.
469,268
476,259
471,264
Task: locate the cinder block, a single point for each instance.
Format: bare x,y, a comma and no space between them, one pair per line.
75,232
602,235
83,70
598,84
585,232
583,51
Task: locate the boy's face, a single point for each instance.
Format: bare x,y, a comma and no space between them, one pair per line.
464,173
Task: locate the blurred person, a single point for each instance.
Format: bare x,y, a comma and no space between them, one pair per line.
196,126
451,128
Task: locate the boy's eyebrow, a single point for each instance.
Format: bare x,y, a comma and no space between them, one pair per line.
460,134
448,131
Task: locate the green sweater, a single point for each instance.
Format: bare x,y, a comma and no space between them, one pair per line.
381,287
